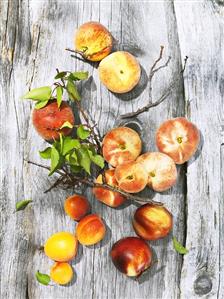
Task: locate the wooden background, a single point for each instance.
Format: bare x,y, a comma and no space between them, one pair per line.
33,36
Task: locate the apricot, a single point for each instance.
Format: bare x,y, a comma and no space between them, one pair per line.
131,177
61,247
110,198
93,40
152,222
121,145
131,256
61,273
76,206
161,169
49,119
120,72
90,230
178,138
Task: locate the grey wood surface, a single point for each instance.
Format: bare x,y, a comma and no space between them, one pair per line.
33,36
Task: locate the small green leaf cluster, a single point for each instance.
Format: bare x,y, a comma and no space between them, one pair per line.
67,82
76,153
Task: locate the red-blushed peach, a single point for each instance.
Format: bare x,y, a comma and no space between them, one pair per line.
131,256
76,206
61,273
110,198
121,145
49,119
178,138
120,72
131,177
161,170
61,247
93,40
90,230
152,222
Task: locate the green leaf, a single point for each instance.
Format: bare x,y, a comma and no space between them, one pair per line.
41,104
59,93
96,159
72,159
84,159
39,94
55,159
79,76
82,133
72,91
22,204
178,247
66,124
42,278
46,153
60,75
70,144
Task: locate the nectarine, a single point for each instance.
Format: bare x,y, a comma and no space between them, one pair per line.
152,222
131,177
120,72
61,247
49,119
76,206
61,273
93,40
131,256
90,230
161,169
121,145
178,138
110,198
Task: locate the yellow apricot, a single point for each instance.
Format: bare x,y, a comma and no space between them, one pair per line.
61,247
61,273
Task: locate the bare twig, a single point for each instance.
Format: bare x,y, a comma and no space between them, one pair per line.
153,70
73,179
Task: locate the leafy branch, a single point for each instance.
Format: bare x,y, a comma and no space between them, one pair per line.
166,93
74,159
72,180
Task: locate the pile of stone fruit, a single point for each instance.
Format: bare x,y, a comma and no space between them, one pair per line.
129,170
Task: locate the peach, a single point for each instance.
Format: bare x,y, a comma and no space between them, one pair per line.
61,273
110,198
61,247
152,222
90,230
161,169
121,145
178,138
131,256
76,206
49,119
120,72
131,177
93,40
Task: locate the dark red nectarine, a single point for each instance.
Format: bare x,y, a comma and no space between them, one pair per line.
131,256
49,119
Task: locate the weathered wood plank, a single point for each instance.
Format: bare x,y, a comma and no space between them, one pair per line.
33,36
201,29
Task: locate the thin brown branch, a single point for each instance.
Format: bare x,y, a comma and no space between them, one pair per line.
56,183
76,179
86,118
150,105
157,60
153,70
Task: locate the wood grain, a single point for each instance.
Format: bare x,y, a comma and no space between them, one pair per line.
33,36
